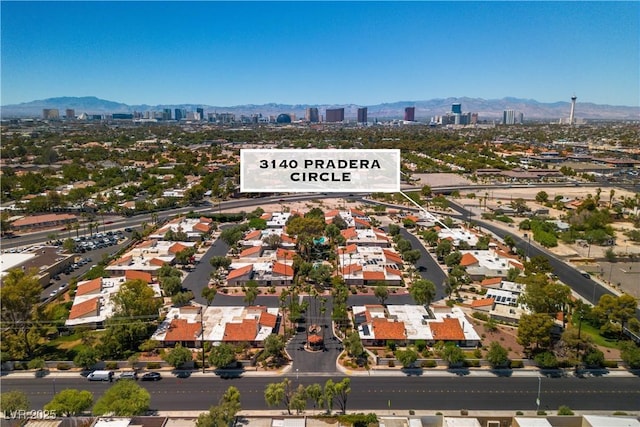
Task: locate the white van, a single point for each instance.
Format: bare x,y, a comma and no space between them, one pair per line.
100,376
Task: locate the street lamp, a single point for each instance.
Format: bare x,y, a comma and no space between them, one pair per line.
528,237
538,398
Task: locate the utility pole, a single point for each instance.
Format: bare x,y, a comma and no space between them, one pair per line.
202,340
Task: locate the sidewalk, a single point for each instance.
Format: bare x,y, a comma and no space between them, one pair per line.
375,372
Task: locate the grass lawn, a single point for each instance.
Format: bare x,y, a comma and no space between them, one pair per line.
594,334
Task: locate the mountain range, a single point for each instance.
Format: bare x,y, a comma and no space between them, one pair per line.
487,109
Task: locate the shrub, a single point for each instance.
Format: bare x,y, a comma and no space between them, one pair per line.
517,364
421,345
472,363
611,364
391,364
63,366
546,360
541,413
519,413
153,365
564,410
430,363
111,366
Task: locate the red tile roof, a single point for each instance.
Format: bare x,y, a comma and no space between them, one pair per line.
373,275
393,271
253,250
91,286
245,331
392,256
266,216
447,330
351,268
468,259
285,255
138,275
253,235
239,272
205,220
157,261
482,302
122,261
383,329
268,319
182,330
89,307
492,281
349,233
177,247
362,222
348,249
202,227
40,219
357,212
282,269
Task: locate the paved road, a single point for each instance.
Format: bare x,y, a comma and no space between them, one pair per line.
198,279
432,270
418,393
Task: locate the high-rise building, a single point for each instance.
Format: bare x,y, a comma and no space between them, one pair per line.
456,108
50,113
410,114
311,115
166,114
362,115
200,112
509,117
573,110
70,113
335,115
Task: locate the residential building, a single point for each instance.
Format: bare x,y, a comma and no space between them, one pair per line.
190,325
405,324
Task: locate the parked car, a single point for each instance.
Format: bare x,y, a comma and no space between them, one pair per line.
183,374
151,376
100,376
128,375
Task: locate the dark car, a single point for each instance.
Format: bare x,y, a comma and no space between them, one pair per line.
128,229
183,374
151,376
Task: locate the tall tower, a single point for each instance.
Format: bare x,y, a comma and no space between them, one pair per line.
573,109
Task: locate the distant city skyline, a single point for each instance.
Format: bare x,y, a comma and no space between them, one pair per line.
236,53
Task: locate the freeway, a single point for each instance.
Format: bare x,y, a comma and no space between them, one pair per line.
418,393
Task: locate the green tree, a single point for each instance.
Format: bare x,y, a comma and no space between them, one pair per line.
423,291
251,292
19,299
220,262
452,354
406,357
542,197
353,344
273,346
135,299
299,399
15,400
329,392
70,402
222,355
342,391
178,356
279,393
630,354
209,294
171,285
381,291
534,329
314,392
497,356
86,358
546,360
223,414
123,399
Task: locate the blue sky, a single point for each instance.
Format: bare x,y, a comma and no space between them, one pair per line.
226,54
